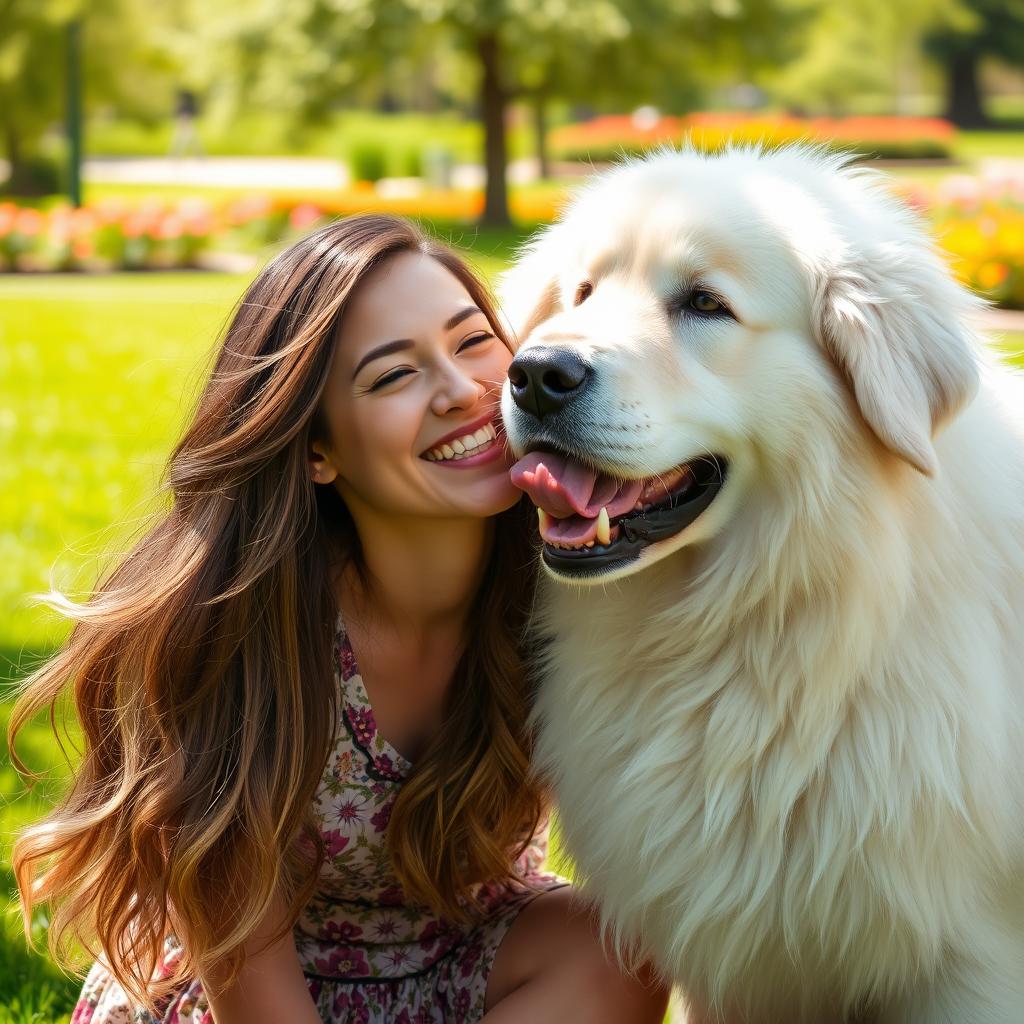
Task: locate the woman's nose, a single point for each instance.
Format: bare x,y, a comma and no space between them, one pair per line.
457,390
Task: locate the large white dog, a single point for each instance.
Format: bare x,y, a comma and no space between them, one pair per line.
781,486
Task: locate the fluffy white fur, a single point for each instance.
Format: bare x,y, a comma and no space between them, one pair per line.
786,744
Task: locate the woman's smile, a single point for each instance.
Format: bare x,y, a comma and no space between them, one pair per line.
476,444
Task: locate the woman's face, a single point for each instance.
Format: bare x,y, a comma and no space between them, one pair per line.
412,398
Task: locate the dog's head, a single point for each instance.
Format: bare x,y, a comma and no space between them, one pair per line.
694,325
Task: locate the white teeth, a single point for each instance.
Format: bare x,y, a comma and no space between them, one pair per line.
604,530
542,518
464,446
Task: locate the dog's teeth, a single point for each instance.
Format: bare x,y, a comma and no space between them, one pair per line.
604,529
542,518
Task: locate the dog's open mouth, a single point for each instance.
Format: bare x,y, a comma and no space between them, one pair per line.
590,520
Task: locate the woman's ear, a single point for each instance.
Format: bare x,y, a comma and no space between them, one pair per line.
320,469
529,292
893,321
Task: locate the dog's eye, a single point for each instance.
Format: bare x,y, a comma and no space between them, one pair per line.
583,293
705,302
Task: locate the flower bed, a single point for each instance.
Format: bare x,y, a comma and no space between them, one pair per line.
155,235
610,138
107,236
979,222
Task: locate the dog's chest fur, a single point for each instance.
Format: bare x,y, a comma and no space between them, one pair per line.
790,804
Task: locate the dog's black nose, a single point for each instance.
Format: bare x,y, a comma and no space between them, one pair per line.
544,379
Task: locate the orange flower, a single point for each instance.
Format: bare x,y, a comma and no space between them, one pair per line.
991,275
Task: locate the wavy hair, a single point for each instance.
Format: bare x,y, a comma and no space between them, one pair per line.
200,668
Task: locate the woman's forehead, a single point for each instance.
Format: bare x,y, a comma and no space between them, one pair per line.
406,295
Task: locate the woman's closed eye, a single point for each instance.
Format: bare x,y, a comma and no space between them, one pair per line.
395,375
476,339
390,377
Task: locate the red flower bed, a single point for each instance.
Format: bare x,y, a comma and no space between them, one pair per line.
609,138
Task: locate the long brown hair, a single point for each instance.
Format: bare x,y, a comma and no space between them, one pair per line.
201,668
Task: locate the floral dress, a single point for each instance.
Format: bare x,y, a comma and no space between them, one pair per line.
368,955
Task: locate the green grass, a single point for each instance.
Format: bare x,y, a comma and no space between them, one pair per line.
96,376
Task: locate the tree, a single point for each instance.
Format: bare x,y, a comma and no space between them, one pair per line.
123,63
988,28
854,47
317,53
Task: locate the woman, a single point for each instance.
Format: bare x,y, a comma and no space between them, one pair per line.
305,793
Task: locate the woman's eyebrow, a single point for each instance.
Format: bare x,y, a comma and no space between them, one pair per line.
403,343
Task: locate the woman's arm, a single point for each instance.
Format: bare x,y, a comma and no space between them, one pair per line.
271,986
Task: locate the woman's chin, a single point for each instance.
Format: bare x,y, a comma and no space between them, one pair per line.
499,496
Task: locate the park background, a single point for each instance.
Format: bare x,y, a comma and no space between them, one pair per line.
156,153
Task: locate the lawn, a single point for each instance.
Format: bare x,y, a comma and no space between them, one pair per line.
98,375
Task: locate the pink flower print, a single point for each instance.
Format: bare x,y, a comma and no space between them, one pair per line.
364,727
343,962
469,959
424,1016
359,1012
346,659
345,931
334,842
392,896
350,812
435,931
386,767
403,1017
398,957
386,928
461,1004
382,817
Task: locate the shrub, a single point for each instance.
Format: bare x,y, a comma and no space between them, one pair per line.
367,161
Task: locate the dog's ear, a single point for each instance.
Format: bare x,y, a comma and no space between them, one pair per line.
895,327
529,292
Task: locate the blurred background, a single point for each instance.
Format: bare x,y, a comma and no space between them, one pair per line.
154,154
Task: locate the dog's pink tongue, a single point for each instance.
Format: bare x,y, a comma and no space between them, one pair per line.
563,488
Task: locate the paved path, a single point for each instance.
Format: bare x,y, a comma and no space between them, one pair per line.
1002,320
262,172
249,172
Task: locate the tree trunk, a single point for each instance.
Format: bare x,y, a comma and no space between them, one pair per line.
963,95
540,128
19,180
492,110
